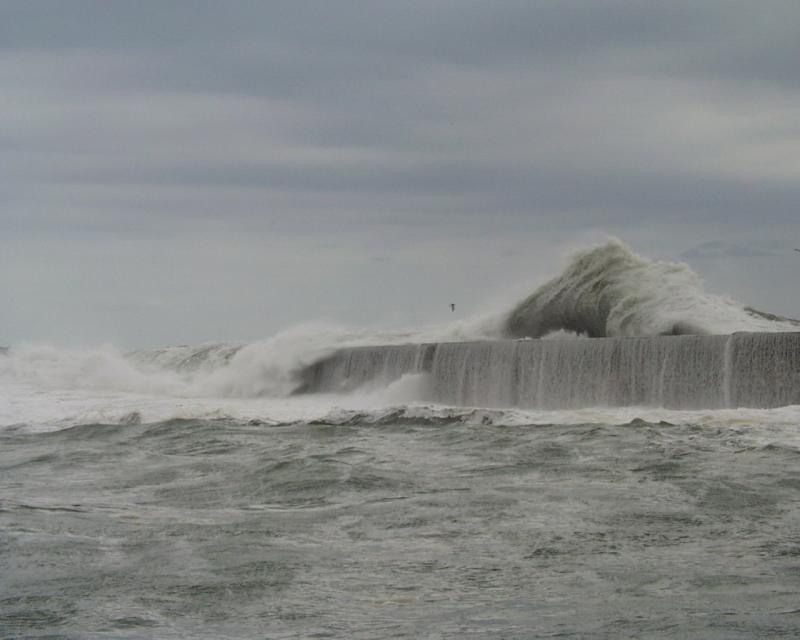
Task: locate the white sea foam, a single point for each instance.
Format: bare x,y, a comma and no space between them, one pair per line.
31,408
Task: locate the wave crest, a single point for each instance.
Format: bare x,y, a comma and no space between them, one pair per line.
611,291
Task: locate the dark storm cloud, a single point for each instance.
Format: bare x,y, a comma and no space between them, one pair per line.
464,29
726,36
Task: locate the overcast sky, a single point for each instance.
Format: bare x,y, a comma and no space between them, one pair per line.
183,171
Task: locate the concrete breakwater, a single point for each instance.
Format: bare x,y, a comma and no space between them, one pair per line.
758,370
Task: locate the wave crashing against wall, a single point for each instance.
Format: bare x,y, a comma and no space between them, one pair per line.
609,291
759,370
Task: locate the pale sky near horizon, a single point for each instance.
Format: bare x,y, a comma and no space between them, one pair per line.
179,171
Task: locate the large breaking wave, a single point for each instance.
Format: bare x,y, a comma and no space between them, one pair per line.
611,291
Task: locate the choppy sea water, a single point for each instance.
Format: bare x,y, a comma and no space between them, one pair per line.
400,527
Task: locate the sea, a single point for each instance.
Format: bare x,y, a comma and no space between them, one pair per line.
207,491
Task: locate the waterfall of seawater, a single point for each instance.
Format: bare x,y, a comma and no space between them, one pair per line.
684,372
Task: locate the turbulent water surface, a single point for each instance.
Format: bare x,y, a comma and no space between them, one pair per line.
401,528
644,484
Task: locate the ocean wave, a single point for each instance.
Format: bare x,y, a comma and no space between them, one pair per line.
610,291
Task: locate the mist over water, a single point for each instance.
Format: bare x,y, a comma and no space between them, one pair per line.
632,474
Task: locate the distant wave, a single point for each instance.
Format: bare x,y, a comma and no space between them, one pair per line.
611,291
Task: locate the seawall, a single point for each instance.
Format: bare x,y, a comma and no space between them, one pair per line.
758,370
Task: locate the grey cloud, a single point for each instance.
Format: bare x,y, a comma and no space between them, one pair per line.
305,49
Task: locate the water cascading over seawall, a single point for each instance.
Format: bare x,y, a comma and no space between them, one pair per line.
759,370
